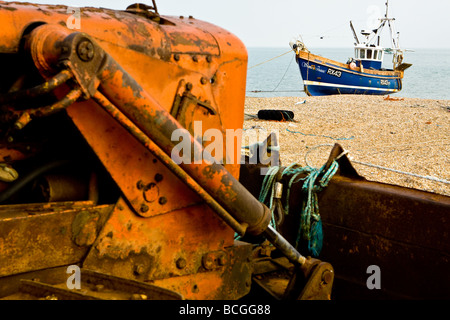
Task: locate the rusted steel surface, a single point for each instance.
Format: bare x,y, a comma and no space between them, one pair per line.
178,250
27,115
159,125
94,286
170,164
214,61
149,186
168,220
44,88
156,122
404,232
43,236
128,82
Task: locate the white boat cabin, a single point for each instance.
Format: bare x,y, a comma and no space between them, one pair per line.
370,56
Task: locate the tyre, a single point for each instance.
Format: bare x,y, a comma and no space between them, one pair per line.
278,115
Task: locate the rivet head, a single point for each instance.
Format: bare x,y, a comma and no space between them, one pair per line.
222,260
327,276
85,50
139,269
158,177
181,263
144,208
151,192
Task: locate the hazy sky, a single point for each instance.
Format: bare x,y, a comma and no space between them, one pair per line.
264,23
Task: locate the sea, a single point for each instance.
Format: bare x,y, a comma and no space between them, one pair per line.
273,72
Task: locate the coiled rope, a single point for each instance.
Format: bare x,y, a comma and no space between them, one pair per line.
309,234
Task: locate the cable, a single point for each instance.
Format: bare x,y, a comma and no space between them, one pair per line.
22,182
259,64
284,75
402,172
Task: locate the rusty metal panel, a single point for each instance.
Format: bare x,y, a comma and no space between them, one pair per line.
92,286
148,185
229,279
405,232
189,251
154,245
34,237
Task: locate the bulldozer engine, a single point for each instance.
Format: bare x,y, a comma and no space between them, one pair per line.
91,178
113,184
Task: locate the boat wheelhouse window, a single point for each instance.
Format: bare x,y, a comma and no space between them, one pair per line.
369,54
362,54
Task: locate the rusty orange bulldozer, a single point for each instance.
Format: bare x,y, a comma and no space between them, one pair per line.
99,200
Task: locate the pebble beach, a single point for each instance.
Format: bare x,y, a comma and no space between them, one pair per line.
408,136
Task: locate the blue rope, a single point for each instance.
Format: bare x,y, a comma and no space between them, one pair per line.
323,136
310,229
310,221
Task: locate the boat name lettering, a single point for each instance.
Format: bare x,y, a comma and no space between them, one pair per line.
335,73
313,67
384,82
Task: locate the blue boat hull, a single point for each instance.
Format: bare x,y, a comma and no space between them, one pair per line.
325,78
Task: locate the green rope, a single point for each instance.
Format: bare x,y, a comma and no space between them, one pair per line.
310,229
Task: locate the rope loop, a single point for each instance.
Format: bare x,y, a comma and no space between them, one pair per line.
309,233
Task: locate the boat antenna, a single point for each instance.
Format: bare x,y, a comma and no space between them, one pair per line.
390,21
354,33
387,9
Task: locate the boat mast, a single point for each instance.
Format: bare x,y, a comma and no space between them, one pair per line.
387,9
394,41
395,38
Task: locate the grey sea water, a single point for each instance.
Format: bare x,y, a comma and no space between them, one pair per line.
428,78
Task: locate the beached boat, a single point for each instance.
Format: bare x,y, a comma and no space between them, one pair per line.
363,74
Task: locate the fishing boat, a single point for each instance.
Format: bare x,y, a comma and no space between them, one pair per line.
363,74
